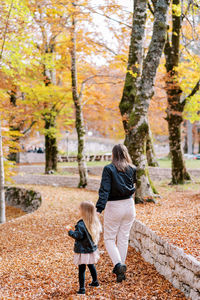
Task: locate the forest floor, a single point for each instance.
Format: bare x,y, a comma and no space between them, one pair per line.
13,212
36,256
175,216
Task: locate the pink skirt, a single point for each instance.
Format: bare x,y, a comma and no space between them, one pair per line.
86,258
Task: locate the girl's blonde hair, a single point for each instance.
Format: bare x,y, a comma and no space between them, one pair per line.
121,158
91,220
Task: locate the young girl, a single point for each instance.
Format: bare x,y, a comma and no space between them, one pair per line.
86,235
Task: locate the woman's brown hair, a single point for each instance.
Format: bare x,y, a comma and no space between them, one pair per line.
121,158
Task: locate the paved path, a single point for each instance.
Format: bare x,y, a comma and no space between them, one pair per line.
32,174
36,257
55,180
156,173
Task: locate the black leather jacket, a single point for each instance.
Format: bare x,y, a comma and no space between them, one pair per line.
115,185
83,240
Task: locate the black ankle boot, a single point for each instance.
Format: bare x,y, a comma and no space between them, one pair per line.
120,270
94,283
81,291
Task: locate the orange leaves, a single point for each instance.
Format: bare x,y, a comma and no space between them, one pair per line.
175,217
37,257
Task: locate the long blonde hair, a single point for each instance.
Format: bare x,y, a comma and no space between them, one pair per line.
121,158
91,220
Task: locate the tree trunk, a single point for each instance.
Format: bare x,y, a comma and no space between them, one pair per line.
198,131
51,149
2,180
175,105
13,154
190,137
185,146
179,173
80,129
139,89
150,153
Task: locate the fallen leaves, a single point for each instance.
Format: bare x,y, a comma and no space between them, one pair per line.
37,257
175,217
13,212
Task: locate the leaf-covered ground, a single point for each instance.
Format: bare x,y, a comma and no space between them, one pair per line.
176,216
13,212
36,257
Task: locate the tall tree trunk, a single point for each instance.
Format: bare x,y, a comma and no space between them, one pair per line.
185,146
2,179
80,128
190,137
150,153
139,89
175,106
13,154
51,149
179,173
198,131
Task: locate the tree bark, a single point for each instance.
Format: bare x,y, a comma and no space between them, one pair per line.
150,153
51,149
198,131
13,154
190,137
2,182
139,89
175,106
77,97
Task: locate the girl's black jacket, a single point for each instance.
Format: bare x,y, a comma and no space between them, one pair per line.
83,240
115,185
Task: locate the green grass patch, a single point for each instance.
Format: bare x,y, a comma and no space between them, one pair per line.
190,163
89,164
192,186
163,163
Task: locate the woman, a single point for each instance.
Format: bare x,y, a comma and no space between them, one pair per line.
116,197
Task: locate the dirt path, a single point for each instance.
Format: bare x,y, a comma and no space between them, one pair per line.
36,257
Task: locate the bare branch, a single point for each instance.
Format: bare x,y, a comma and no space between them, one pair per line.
29,128
193,92
150,8
103,15
187,9
92,77
6,29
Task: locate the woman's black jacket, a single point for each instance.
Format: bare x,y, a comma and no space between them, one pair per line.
83,240
115,185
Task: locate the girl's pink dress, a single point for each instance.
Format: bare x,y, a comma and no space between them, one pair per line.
86,258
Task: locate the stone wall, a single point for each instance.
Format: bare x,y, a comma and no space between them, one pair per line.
182,270
26,200
29,158
156,174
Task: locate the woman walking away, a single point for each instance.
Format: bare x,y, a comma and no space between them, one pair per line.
116,197
86,235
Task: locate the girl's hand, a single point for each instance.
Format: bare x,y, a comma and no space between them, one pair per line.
68,227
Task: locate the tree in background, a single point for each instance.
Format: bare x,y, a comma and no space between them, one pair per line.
77,99
175,90
138,88
2,181
150,153
82,14
5,18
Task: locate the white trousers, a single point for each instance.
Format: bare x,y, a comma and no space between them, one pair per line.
118,219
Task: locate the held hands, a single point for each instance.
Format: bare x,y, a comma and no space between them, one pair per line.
68,227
